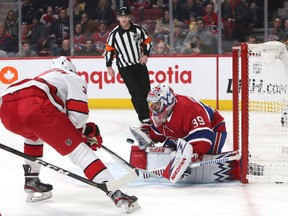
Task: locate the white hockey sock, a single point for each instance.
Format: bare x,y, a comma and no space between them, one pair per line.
35,167
83,156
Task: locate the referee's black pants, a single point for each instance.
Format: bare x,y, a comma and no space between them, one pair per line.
136,79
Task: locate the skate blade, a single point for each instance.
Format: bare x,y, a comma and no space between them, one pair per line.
38,196
132,207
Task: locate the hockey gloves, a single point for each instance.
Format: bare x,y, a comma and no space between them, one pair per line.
93,137
141,137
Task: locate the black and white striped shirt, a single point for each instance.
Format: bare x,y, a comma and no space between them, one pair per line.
129,45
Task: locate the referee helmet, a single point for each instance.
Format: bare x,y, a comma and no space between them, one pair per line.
124,11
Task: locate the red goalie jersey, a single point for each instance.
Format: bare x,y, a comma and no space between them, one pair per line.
198,124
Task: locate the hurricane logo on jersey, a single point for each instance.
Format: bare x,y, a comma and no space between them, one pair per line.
68,142
136,37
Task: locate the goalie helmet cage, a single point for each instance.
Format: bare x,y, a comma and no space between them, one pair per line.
260,97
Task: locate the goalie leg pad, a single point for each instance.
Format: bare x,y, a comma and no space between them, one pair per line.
138,157
179,162
142,138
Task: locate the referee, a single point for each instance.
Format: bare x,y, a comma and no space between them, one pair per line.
132,46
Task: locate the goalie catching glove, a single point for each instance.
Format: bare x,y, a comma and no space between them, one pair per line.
141,137
92,136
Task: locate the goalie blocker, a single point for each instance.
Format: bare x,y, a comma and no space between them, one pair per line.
155,159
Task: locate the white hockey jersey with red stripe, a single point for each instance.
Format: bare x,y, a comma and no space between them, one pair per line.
66,91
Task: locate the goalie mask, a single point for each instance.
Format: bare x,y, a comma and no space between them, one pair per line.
161,101
63,63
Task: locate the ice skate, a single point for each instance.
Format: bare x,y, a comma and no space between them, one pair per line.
130,202
36,190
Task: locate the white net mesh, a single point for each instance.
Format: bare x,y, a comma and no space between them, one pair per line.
268,103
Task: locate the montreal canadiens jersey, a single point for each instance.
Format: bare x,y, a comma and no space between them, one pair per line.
191,120
65,90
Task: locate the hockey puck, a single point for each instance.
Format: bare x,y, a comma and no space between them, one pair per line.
128,140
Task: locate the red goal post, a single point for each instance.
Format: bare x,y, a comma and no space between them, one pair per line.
260,102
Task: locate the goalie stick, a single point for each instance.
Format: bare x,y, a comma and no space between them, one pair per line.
108,186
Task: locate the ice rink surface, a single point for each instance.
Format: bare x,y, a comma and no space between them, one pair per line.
156,197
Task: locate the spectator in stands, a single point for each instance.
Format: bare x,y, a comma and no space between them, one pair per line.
26,32
11,24
177,10
161,47
26,51
6,40
43,48
100,37
3,54
252,39
192,6
60,28
206,37
227,19
210,17
286,30
64,50
48,19
243,21
161,4
78,10
88,26
276,32
104,12
162,25
191,22
88,50
179,36
27,11
38,30
196,46
140,5
257,11
79,37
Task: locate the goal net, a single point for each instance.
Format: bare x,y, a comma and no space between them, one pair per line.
260,110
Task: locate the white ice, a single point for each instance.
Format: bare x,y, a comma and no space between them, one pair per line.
156,197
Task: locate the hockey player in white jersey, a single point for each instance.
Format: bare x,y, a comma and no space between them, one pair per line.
53,108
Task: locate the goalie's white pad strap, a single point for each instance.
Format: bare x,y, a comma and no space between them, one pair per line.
179,162
141,137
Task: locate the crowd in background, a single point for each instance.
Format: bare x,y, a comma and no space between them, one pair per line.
45,26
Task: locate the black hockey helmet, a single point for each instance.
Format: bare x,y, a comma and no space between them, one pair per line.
124,11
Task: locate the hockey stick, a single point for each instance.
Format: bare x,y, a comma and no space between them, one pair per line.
119,159
106,187
225,158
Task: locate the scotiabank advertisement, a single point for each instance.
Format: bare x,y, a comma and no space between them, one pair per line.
205,78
